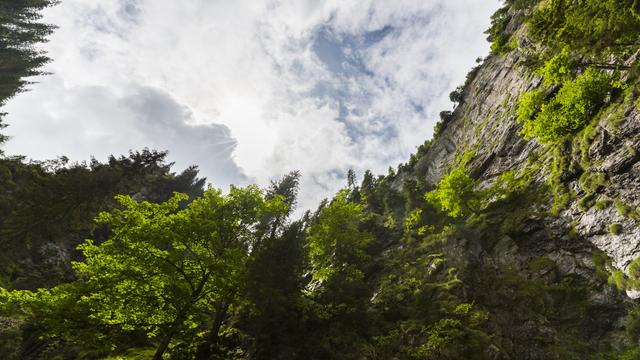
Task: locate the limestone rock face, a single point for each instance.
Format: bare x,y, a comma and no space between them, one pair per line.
484,126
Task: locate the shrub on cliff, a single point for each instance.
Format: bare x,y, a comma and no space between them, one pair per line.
566,113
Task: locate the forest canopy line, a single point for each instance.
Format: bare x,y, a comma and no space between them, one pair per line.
391,267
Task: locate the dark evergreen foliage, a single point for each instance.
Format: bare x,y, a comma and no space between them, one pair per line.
20,32
51,205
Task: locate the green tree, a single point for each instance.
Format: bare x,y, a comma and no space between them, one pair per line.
455,194
47,208
272,312
589,27
274,296
566,113
559,68
497,34
169,270
338,295
336,242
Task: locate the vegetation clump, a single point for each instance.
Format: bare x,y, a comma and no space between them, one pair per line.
630,281
566,113
586,202
615,228
625,210
497,35
589,27
163,267
336,242
603,203
455,194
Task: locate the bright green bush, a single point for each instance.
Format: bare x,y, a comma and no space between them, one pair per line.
559,68
529,104
592,181
585,202
624,209
336,242
568,112
602,204
590,26
629,281
455,194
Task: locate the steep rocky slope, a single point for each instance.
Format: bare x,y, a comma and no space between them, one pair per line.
546,279
485,123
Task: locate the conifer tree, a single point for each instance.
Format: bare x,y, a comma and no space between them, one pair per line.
20,31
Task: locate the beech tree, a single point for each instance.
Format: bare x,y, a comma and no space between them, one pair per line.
169,267
455,194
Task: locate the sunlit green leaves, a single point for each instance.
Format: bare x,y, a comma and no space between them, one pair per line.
566,113
559,68
165,264
336,242
590,26
455,194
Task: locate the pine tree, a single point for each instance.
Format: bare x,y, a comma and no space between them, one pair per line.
20,31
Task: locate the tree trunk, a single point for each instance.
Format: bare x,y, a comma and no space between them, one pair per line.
179,319
204,349
167,339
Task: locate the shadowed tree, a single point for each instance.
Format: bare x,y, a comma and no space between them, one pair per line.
20,30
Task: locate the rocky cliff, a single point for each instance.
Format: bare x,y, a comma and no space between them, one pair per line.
485,124
549,278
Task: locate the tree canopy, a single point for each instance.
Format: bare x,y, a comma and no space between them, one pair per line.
167,265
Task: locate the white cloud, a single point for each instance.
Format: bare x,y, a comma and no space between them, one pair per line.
309,85
94,120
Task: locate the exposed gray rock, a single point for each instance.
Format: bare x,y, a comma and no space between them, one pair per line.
484,124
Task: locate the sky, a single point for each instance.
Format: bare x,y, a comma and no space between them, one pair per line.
249,90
